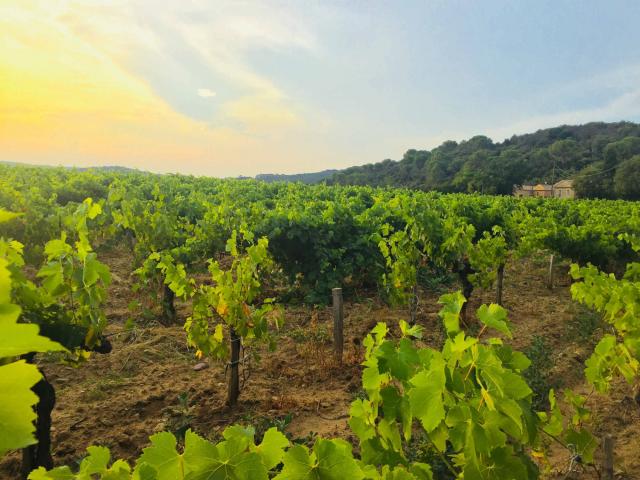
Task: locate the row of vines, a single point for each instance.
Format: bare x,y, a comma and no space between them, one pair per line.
259,246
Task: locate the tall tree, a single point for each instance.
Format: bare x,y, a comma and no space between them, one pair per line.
594,181
626,182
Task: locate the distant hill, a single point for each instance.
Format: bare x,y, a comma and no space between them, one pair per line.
112,168
107,168
19,164
602,158
316,177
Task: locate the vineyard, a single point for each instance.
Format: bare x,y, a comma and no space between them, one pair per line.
176,327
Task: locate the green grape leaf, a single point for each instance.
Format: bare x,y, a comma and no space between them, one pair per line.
5,283
144,472
16,400
583,442
335,460
372,380
414,331
398,360
494,316
272,448
57,247
461,343
512,410
450,312
330,460
17,378
53,275
120,470
59,473
20,338
426,395
389,434
229,459
96,462
362,419
421,471
298,464
163,457
553,423
515,386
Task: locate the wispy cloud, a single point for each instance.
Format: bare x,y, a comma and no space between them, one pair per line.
104,112
228,87
206,93
201,42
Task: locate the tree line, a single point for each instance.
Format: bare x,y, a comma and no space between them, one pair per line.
603,159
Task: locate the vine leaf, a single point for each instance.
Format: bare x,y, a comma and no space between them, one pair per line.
494,316
16,399
271,450
426,397
329,460
163,457
17,378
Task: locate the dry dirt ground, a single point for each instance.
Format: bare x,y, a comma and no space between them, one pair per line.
148,384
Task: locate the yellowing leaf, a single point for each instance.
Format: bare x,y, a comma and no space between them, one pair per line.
218,335
487,398
222,308
5,215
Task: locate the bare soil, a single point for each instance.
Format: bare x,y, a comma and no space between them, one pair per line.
120,399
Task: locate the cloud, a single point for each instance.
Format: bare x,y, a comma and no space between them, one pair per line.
102,113
206,93
182,46
297,87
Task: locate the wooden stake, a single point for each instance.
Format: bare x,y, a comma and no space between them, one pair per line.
550,277
499,283
233,391
338,324
607,467
414,305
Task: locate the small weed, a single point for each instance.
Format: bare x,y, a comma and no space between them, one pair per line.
434,278
103,387
307,440
263,423
179,417
95,395
360,394
318,334
538,375
584,325
311,345
420,449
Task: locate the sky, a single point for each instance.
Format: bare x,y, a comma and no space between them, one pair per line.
228,88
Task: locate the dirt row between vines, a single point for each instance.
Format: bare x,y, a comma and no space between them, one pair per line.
147,383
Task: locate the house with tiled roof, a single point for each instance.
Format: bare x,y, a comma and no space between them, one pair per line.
523,191
564,189
543,190
561,189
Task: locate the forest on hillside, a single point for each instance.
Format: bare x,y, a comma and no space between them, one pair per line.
603,159
315,177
